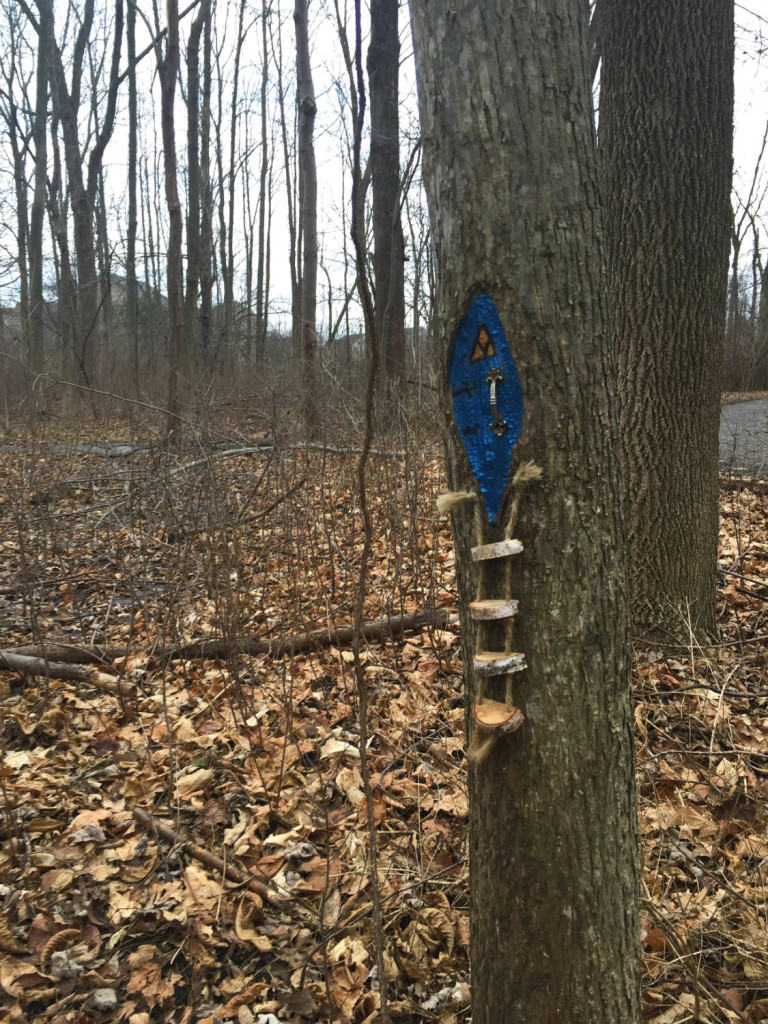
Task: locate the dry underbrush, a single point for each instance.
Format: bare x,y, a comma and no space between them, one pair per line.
135,552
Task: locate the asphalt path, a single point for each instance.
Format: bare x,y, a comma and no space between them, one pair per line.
744,438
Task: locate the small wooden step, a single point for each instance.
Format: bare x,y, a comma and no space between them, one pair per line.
502,549
497,663
493,609
498,717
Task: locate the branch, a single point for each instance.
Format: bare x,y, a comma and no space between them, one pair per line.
233,874
148,49
216,647
37,664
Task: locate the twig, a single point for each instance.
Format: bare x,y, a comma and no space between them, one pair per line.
273,505
229,871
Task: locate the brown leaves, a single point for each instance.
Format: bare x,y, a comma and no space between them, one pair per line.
255,760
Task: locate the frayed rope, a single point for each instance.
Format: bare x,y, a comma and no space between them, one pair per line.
452,499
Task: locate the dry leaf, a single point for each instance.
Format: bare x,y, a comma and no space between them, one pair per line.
8,941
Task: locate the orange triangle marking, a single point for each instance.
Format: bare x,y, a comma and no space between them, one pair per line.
484,347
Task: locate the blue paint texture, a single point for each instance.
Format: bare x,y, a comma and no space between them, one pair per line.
487,399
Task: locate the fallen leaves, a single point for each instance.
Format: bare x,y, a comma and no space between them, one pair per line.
193,847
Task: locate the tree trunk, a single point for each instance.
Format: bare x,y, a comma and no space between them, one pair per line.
261,309
168,69
193,188
290,192
39,136
231,348
65,285
308,212
553,830
206,197
131,283
388,242
666,118
22,216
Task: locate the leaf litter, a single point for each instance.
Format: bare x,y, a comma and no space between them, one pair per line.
192,847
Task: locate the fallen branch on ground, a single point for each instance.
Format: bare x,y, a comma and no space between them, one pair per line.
216,647
37,665
743,483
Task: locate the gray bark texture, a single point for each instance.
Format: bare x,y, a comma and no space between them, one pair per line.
388,242
511,177
666,117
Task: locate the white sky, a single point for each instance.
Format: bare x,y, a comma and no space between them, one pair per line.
751,112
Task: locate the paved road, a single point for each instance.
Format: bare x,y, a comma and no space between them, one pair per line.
744,438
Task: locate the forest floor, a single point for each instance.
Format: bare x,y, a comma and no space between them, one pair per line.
184,825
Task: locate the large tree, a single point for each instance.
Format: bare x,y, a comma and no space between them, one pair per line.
511,177
666,113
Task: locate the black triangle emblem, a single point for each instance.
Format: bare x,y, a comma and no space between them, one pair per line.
484,347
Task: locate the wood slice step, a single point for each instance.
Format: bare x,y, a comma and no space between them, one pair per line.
497,663
493,609
502,549
498,717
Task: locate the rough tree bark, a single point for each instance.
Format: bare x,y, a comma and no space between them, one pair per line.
388,243
510,173
308,213
666,112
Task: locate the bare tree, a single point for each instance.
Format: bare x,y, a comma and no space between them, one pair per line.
168,68
262,270
16,113
308,212
82,187
194,185
37,218
131,282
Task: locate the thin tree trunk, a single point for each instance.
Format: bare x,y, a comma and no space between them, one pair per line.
193,187
168,69
553,829
39,138
308,212
230,347
206,196
22,221
66,290
131,283
388,242
290,192
261,310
